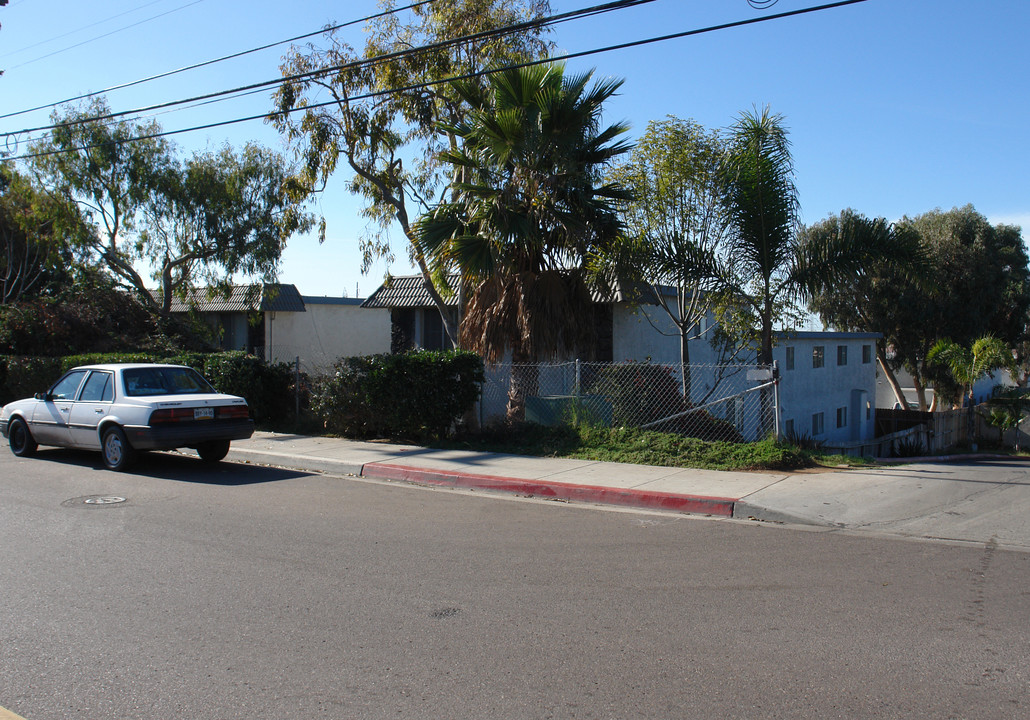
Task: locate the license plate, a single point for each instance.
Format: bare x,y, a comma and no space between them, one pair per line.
204,414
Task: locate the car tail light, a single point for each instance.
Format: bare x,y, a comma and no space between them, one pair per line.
233,412
171,415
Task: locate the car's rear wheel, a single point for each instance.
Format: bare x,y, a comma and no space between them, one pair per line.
117,452
21,440
213,451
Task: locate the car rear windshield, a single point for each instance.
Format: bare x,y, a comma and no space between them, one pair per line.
164,381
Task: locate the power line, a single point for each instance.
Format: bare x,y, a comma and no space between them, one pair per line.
216,60
84,27
101,37
507,30
467,76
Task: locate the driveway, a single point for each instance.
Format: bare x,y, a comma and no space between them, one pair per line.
980,501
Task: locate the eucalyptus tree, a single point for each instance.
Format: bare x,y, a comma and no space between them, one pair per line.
208,218
528,213
109,169
379,111
38,235
219,215
677,224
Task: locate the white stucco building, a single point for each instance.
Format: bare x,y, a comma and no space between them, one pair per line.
328,328
277,323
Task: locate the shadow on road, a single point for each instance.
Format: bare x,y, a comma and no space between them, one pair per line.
175,466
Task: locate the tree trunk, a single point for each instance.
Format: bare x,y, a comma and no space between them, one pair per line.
765,357
525,382
920,392
685,378
892,379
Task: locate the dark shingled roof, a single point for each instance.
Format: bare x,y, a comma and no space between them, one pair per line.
408,291
272,297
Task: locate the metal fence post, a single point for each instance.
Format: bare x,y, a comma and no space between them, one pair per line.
776,399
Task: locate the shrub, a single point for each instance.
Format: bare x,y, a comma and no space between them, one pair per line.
267,387
416,395
802,441
908,447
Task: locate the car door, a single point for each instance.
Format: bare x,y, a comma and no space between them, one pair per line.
49,424
93,404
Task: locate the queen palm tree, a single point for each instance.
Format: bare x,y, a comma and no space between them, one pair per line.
970,364
527,211
773,266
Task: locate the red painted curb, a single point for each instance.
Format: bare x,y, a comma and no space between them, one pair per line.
559,491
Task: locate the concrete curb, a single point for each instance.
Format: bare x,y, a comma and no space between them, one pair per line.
312,463
626,497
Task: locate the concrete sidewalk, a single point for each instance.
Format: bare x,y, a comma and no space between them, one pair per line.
985,501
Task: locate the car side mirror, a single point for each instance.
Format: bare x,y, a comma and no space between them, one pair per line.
42,396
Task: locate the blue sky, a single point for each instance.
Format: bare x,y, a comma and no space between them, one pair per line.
895,107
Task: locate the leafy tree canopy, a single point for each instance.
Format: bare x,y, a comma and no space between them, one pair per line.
387,105
208,218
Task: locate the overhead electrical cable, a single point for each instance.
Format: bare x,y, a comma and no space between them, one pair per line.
101,37
76,30
364,62
205,63
480,73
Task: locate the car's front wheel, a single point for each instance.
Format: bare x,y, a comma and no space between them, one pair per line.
213,451
114,446
20,439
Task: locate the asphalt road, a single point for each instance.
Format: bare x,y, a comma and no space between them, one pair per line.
250,592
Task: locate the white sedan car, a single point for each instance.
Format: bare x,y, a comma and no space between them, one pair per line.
121,409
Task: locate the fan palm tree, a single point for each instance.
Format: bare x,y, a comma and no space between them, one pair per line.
526,213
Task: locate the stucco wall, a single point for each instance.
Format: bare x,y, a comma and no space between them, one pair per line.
329,328
806,390
646,333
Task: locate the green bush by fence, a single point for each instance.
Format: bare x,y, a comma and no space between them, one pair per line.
417,395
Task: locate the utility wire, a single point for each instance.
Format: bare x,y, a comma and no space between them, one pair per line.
80,29
507,30
481,73
101,37
217,60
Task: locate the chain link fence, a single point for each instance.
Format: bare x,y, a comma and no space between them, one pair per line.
710,402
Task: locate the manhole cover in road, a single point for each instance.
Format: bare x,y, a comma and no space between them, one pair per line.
95,501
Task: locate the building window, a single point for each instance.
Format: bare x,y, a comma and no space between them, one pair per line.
790,358
817,424
842,417
867,354
842,354
818,356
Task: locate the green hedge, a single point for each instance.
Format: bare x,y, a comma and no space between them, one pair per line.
268,388
414,396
